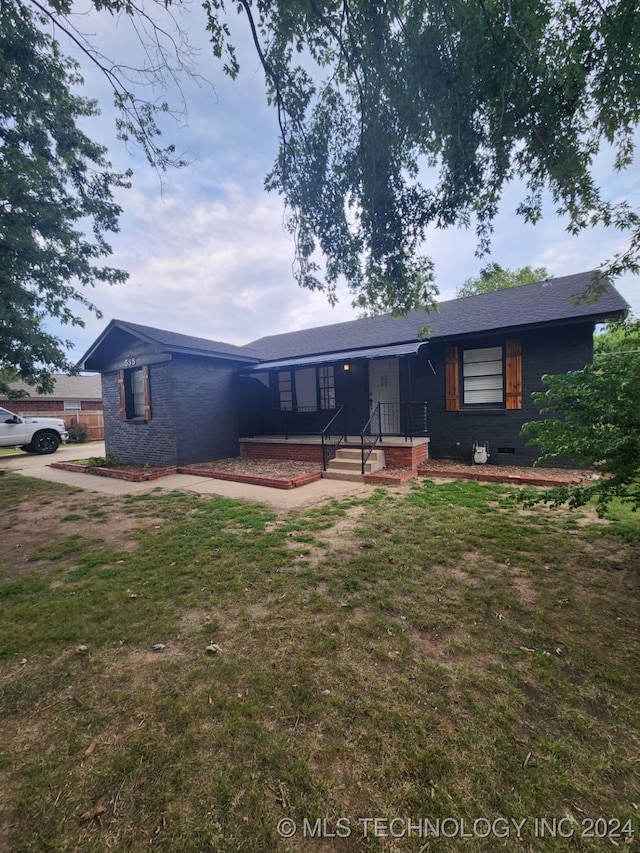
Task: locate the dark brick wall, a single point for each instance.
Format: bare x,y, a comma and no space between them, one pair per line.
153,442
193,415
206,410
453,433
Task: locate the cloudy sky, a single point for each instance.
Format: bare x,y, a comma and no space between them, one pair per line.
205,248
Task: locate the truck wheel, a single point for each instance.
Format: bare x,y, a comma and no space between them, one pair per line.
45,442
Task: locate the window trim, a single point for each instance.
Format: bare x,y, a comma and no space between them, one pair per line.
511,376
127,413
326,384
285,390
325,388
489,370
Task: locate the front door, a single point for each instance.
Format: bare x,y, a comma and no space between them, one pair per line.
384,388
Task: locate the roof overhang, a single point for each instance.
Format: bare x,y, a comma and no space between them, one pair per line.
97,358
393,351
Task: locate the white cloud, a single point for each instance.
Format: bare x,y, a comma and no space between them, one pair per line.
207,253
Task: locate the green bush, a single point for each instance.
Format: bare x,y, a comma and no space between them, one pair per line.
78,433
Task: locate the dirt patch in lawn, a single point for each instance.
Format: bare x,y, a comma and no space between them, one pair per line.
26,531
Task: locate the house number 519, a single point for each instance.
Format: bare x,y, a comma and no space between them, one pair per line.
129,362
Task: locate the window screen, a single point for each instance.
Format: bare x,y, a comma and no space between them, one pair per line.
482,376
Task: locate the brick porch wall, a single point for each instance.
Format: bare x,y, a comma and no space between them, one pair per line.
404,457
395,457
290,450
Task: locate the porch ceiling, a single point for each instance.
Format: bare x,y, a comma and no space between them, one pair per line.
345,355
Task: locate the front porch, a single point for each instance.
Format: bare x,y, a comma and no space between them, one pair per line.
399,452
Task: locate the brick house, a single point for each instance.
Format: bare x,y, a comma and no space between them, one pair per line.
423,383
70,394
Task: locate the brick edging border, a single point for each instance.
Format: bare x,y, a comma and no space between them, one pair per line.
515,479
253,480
115,473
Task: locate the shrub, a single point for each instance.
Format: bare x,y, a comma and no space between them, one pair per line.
78,433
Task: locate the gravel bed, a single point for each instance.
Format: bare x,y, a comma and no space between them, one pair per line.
288,469
278,469
560,474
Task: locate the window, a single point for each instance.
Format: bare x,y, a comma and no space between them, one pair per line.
482,378
286,390
327,387
135,402
487,376
71,405
307,388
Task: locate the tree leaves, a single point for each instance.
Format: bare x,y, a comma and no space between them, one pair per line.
53,180
494,277
371,95
591,416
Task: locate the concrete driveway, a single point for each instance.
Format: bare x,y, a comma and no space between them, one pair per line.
33,465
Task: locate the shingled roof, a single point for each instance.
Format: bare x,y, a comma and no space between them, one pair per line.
65,388
547,302
173,342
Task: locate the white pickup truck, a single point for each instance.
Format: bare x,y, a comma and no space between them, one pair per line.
34,435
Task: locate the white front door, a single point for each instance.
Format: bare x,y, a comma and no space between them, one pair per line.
384,388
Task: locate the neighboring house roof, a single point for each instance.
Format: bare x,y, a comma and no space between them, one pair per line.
66,388
546,302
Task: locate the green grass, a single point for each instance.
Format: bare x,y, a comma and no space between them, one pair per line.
434,652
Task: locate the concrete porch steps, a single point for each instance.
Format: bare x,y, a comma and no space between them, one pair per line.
347,465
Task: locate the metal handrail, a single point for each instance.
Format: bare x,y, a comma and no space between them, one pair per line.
366,449
331,443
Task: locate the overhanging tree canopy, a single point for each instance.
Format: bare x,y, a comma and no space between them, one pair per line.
370,94
395,118
55,184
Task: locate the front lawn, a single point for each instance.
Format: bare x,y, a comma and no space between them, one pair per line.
433,668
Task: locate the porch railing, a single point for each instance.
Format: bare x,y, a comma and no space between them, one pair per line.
370,435
296,420
332,436
414,417
406,418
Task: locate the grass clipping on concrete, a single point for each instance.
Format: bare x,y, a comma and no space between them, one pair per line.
432,668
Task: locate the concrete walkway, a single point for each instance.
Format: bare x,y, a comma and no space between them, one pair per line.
33,465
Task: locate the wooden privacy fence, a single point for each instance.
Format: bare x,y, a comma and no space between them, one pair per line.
93,422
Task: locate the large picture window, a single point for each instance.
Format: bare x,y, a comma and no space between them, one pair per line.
135,399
